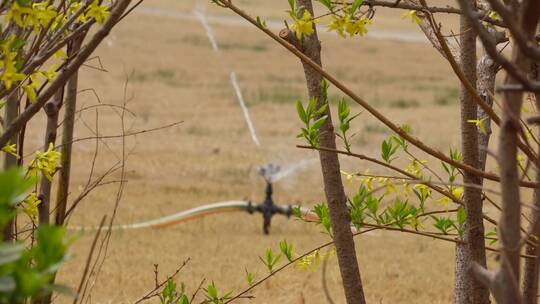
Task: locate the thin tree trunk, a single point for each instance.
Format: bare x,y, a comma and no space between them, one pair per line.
467,289
67,138
51,109
508,288
333,187
11,112
509,232
531,268
487,72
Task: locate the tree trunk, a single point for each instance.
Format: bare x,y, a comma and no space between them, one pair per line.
508,288
487,72
11,112
70,106
333,187
467,289
51,109
531,268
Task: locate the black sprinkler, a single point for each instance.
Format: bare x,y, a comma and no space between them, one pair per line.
268,208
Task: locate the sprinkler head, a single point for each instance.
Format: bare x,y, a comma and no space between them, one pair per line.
269,171
268,208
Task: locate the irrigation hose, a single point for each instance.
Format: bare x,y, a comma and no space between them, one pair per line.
193,214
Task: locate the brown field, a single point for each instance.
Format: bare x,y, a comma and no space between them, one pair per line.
175,76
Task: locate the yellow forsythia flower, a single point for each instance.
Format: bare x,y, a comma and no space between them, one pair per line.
313,260
415,168
17,14
479,124
10,148
10,75
348,176
41,14
350,26
443,201
31,88
457,192
45,162
30,205
303,26
412,14
493,15
98,12
424,190
50,73
60,54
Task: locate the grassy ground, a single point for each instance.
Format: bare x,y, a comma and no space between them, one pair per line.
175,76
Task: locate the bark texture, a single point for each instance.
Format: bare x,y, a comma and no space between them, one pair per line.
531,268
505,284
333,187
70,106
51,109
506,287
487,72
467,289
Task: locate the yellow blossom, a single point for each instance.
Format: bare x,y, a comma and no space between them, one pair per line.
99,12
357,27
443,202
10,75
521,161
457,192
60,54
304,25
10,148
479,123
423,190
493,15
415,168
45,162
412,14
348,176
389,186
350,26
313,260
17,14
31,88
30,205
50,73
41,14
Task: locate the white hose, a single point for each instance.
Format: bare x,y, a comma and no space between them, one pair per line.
176,217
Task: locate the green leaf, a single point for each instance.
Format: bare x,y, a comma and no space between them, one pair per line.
322,109
286,249
461,215
291,4
310,110
355,5
297,212
321,210
250,278
23,2
319,123
301,112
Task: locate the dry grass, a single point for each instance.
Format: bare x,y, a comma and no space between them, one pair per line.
174,75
